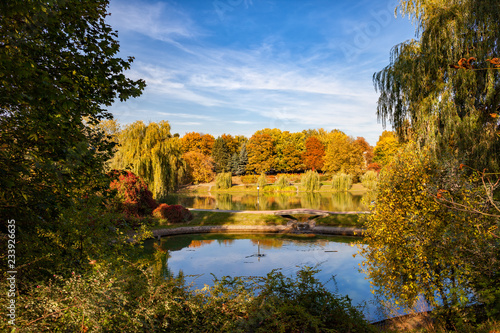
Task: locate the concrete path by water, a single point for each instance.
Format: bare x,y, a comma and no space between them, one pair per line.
341,231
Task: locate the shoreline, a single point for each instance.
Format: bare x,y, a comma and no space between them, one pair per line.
322,230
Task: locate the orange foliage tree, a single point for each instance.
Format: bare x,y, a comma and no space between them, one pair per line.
366,148
196,141
199,167
314,155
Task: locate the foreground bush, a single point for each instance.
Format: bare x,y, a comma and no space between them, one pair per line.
173,213
126,298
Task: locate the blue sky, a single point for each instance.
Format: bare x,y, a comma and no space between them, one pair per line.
238,66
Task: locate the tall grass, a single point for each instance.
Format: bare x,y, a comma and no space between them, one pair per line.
310,181
370,180
223,180
341,182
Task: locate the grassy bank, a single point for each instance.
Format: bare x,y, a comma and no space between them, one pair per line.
201,218
342,220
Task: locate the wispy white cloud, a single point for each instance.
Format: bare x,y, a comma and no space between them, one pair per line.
188,123
185,115
242,122
169,83
161,20
264,82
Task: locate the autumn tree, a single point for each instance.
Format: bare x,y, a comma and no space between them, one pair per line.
241,139
321,134
152,153
261,153
313,157
366,148
190,141
418,247
232,143
196,141
110,127
289,148
387,146
344,155
199,167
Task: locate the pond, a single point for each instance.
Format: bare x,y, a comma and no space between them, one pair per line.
334,201
199,255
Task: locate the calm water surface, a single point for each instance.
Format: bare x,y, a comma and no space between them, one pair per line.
236,255
338,202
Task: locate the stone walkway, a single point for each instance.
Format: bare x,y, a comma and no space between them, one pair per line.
342,231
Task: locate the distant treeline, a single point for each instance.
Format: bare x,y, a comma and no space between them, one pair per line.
166,160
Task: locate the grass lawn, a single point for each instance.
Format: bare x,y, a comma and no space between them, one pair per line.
342,220
223,218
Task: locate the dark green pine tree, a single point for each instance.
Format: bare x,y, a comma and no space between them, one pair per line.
242,160
235,161
221,156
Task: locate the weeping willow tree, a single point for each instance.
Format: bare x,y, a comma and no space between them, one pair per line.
341,182
151,152
443,89
310,181
441,93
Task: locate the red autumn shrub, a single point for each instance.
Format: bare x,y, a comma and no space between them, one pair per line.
134,198
374,166
173,213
